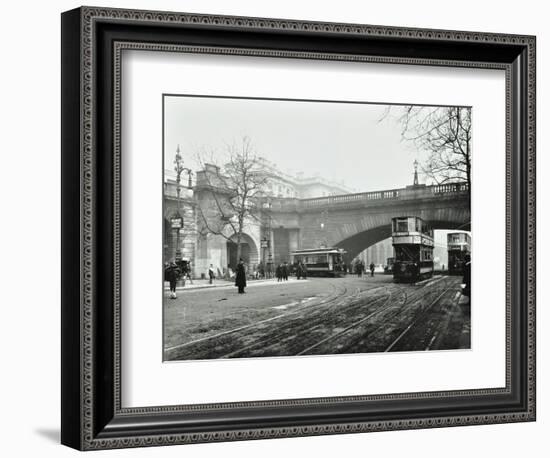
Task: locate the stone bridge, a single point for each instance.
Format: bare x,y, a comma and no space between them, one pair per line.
356,221
353,222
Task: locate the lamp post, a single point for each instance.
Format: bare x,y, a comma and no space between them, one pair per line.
177,222
268,260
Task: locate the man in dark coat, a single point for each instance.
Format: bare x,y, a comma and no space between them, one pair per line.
299,270
285,271
211,274
371,269
279,272
240,277
172,274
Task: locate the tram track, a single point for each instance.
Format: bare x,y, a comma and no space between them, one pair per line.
324,327
347,329
278,334
433,328
299,334
172,352
419,311
363,329
418,316
306,331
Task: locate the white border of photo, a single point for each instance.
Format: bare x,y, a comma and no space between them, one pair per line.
147,381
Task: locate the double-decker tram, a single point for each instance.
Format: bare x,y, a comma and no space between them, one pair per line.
320,261
413,244
458,247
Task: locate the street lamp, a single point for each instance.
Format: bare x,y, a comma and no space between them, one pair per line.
177,222
266,242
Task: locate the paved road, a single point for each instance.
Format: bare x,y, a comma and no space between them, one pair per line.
317,316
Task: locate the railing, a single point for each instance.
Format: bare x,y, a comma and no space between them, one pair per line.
350,198
293,204
450,188
386,195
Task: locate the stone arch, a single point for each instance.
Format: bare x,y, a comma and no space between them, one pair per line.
251,254
358,242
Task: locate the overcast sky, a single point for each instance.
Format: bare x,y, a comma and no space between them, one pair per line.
340,141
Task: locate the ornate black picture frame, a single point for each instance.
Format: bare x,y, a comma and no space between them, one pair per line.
92,42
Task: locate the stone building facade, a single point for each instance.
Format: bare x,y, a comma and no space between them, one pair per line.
185,207
265,239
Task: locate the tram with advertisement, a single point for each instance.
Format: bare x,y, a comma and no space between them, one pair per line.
458,247
320,262
413,244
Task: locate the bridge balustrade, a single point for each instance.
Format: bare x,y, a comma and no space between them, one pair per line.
391,194
411,192
449,188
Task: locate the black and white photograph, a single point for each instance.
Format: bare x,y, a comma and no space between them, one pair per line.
314,227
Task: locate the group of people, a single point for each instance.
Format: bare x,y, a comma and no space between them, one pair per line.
282,271
360,268
301,271
177,270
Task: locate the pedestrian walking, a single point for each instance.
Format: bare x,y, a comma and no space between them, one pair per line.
299,270
211,274
371,269
188,272
172,276
359,269
304,271
285,271
279,272
240,277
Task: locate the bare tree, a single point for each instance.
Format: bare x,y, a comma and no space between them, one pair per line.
445,133
234,191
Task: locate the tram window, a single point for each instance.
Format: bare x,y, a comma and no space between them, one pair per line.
407,253
314,259
402,225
